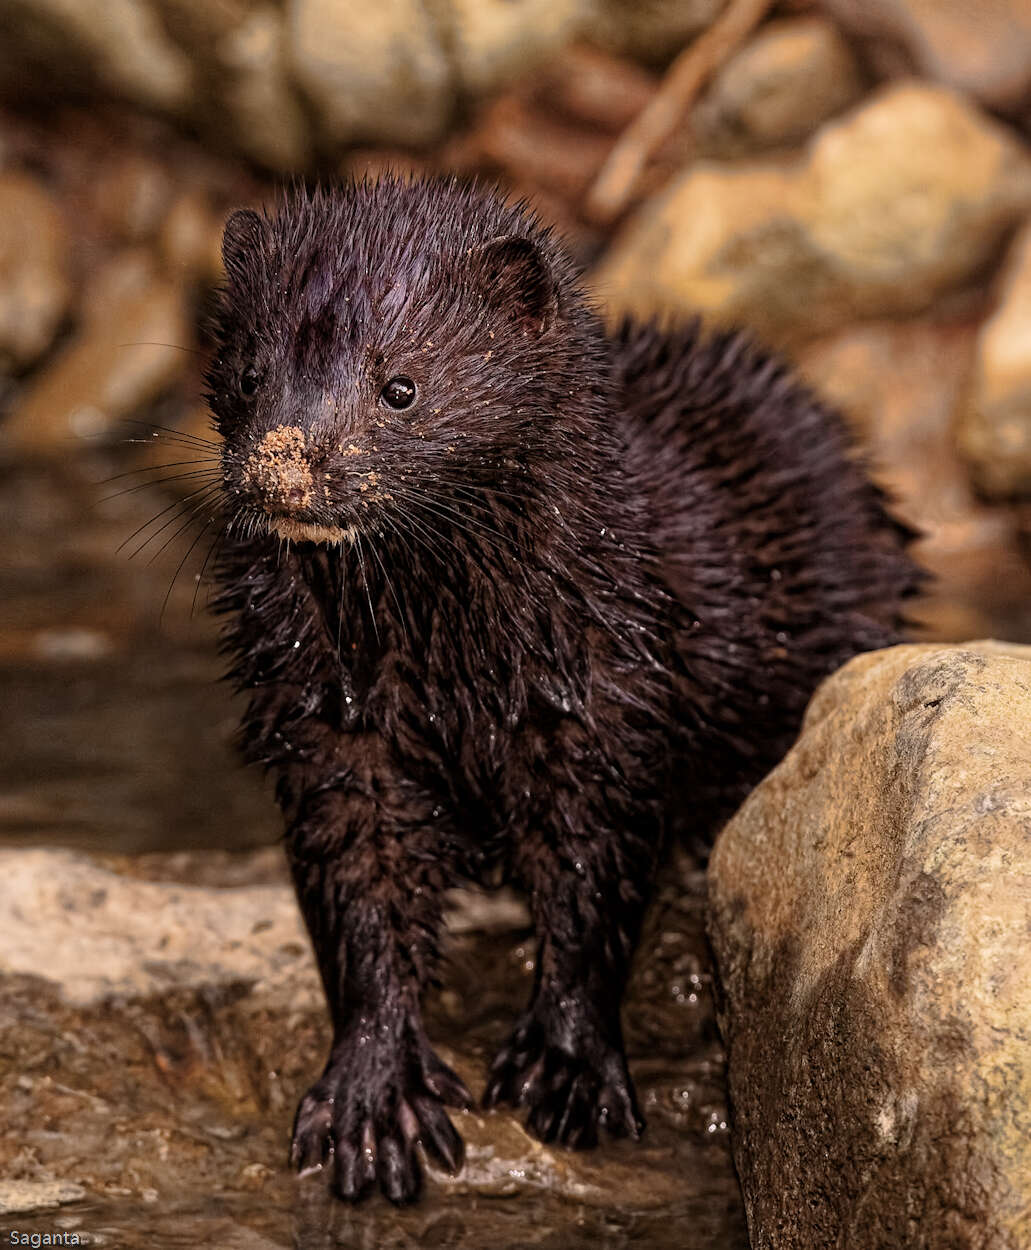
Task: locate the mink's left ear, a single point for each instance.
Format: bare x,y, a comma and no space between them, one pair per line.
242,241
514,277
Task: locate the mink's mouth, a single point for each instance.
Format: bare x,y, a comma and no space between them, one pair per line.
284,477
308,532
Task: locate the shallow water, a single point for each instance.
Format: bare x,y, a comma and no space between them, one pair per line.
116,733
174,1113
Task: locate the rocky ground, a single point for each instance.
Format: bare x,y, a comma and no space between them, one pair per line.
853,183
153,1048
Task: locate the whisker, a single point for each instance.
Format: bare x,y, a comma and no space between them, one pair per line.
486,488
194,351
179,567
205,496
390,587
442,502
214,548
159,430
407,522
418,501
213,474
403,539
468,499
431,529
176,503
365,579
153,468
340,612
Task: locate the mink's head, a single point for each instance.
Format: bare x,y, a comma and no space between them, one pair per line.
389,344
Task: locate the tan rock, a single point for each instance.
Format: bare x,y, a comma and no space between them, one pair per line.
19,1197
109,935
376,72
493,42
900,385
982,49
653,31
994,432
121,41
791,77
190,242
122,358
254,83
243,95
871,903
132,196
34,285
896,203
603,91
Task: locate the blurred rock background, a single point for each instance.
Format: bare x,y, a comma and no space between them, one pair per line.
852,182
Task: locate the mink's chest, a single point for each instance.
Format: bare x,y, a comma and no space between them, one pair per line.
467,699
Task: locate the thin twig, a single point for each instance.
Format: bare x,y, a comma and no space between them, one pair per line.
657,121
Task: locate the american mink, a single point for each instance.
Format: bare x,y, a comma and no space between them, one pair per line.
511,598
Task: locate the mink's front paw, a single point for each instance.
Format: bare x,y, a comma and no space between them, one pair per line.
366,1113
572,1082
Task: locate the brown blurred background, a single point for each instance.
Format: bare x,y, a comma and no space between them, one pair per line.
851,181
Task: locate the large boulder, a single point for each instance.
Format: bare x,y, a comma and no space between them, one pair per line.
889,208
870,912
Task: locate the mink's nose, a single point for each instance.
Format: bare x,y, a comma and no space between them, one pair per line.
279,470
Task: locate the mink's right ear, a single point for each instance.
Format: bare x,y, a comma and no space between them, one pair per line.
243,237
514,276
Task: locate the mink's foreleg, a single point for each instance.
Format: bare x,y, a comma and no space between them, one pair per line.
369,871
565,1059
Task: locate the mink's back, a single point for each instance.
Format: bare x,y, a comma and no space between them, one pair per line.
777,547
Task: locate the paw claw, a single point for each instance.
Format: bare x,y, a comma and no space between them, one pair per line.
445,1083
312,1142
399,1175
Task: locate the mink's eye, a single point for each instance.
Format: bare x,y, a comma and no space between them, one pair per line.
399,393
249,381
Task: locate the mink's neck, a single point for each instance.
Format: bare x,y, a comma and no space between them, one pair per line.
495,554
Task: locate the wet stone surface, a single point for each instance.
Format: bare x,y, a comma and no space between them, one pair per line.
163,1120
159,1115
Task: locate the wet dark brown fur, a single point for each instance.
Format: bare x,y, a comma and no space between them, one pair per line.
575,599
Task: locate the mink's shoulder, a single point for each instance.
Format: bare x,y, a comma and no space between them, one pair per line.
745,465
728,411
